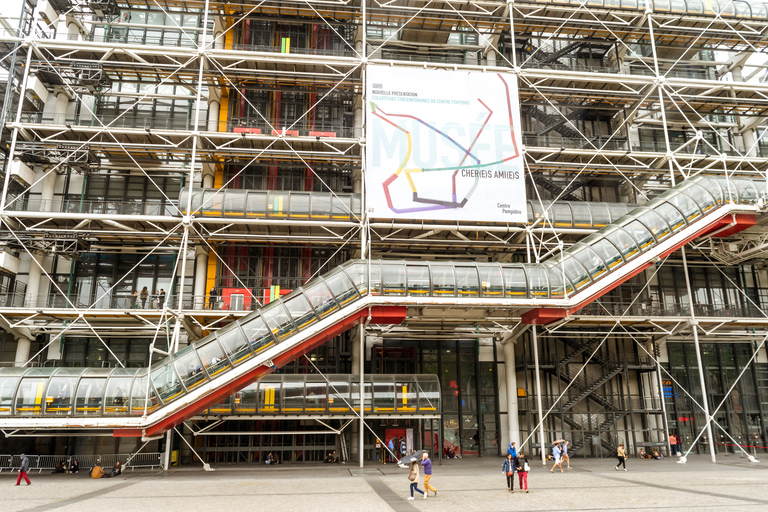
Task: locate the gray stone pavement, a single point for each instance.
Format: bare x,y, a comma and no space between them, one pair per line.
465,485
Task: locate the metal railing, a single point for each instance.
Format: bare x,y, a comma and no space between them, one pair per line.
339,51
674,309
139,207
40,463
302,128
182,121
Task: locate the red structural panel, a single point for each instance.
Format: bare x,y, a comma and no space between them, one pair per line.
732,224
246,129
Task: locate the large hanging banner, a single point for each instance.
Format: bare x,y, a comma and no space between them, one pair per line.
443,145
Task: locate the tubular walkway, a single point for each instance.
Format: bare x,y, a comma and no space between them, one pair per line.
149,401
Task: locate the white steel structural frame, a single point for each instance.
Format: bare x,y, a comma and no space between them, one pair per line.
534,79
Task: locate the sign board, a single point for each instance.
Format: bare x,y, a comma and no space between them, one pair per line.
443,145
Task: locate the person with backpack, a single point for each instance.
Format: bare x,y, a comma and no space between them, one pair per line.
508,468
413,477
522,467
23,470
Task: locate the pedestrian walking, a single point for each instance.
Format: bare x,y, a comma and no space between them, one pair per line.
508,468
622,456
413,476
144,296
427,465
522,467
679,445
557,455
161,297
511,450
391,446
564,455
23,470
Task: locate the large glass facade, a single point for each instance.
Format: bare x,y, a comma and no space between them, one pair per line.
738,406
468,386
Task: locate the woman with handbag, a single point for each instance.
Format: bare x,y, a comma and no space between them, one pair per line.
521,464
508,468
413,476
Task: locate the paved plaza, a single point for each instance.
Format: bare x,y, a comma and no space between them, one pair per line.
463,485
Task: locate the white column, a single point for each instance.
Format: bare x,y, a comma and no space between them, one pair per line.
538,395
355,426
33,282
168,450
201,276
22,350
49,187
209,173
60,109
213,115
510,377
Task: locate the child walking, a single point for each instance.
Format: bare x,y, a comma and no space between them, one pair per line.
521,463
622,456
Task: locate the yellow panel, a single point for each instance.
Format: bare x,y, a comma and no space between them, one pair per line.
210,278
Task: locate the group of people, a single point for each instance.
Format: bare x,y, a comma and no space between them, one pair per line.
560,455
331,458
272,458
397,449
158,298
96,471
413,476
62,467
516,463
675,444
642,454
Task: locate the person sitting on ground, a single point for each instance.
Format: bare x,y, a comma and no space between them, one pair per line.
276,457
61,468
328,458
269,459
641,454
74,467
656,455
96,471
335,457
117,470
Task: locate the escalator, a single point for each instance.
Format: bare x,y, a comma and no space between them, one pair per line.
150,401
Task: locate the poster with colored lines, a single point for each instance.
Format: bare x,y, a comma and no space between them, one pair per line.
443,145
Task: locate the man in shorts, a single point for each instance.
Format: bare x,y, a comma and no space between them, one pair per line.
564,455
557,456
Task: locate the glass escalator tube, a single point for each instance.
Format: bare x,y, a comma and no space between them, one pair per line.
515,281
116,397
538,281
589,259
59,396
